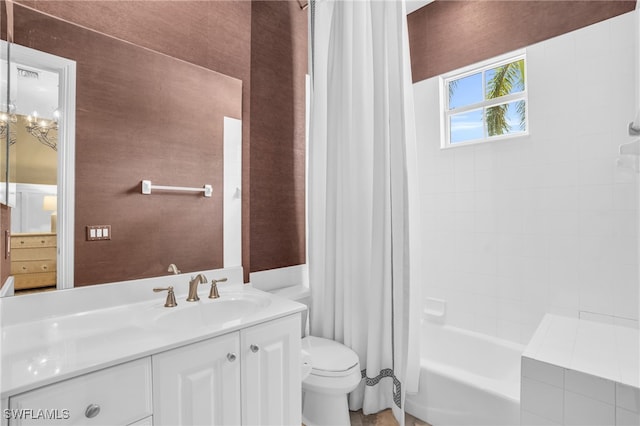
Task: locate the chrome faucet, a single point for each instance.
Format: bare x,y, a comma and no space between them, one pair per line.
193,287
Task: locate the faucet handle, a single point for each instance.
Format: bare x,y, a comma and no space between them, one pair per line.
213,294
171,297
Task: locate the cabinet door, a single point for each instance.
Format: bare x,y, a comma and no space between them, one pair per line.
198,384
147,421
114,396
271,373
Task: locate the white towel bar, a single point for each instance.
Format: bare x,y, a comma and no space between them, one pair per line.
147,187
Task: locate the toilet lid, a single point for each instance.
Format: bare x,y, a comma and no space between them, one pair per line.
329,357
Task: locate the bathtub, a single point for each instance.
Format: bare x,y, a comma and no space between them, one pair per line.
466,378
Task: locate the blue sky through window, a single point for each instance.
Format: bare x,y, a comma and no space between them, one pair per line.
469,90
465,91
467,126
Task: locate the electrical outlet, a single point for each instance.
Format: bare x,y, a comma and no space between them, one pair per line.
98,232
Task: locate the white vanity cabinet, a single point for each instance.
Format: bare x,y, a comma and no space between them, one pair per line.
198,384
271,385
248,377
119,395
230,361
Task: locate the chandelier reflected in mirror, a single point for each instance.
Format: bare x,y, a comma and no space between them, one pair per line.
42,129
45,131
7,120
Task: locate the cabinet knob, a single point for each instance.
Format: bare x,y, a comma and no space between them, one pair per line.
231,356
92,411
254,348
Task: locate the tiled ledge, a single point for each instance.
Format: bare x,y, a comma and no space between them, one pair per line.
581,372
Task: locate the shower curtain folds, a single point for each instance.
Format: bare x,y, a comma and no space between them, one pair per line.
363,224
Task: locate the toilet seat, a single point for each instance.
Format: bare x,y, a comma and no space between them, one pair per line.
330,358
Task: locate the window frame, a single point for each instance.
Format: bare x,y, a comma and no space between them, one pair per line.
481,67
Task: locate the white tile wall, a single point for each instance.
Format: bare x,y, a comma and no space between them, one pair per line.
530,419
590,386
580,410
628,397
626,418
569,386
543,372
544,223
542,399
552,395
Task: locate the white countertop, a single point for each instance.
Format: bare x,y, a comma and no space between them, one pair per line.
51,348
605,350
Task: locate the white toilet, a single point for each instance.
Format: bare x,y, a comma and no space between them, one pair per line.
330,370
335,371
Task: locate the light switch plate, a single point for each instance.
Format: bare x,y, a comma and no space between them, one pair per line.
98,232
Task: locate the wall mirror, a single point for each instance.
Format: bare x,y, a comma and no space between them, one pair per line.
138,115
41,141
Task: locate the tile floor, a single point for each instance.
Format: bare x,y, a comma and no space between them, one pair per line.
383,418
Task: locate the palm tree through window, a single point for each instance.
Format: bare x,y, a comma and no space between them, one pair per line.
487,102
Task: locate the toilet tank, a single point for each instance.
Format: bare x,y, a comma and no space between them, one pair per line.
298,293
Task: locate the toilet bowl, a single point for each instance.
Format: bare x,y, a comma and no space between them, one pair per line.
335,371
329,370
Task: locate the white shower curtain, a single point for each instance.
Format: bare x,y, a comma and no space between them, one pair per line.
362,213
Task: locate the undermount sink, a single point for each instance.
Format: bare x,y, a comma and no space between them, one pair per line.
207,312
83,323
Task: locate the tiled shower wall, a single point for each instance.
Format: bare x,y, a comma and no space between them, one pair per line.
546,222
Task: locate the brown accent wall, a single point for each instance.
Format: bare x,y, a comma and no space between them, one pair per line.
221,36
446,35
140,115
212,34
278,69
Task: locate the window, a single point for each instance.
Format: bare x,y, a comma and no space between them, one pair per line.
485,102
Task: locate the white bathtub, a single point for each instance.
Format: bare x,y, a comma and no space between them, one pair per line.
466,378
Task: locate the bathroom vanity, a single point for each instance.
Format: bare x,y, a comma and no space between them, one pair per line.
232,360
